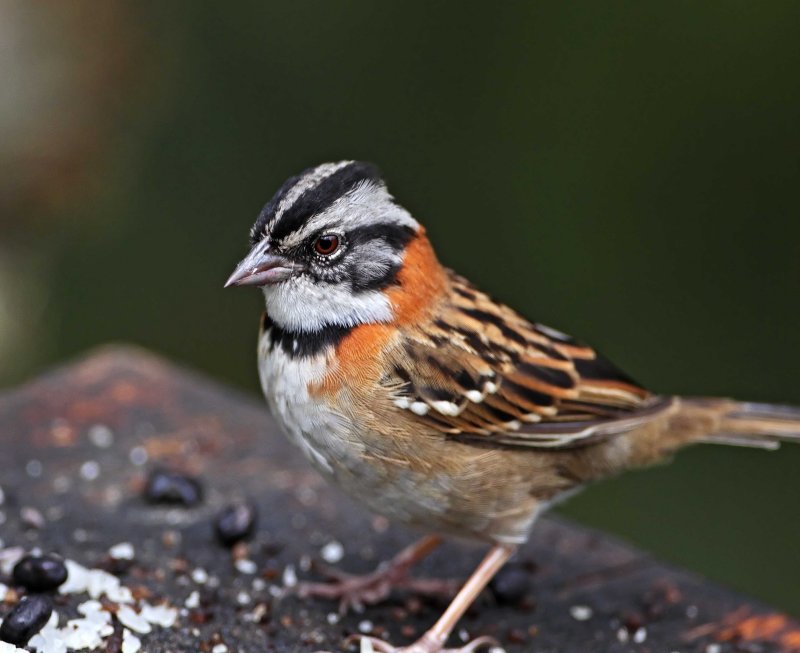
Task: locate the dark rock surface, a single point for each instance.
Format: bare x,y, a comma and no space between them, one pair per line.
78,445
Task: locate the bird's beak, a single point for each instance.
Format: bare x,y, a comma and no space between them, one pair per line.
260,268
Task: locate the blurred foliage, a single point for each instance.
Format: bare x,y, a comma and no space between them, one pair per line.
626,172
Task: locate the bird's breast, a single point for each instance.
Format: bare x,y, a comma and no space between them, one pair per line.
322,433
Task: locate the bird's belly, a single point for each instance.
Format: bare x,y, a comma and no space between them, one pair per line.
426,483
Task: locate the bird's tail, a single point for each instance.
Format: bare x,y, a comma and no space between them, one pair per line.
743,423
684,421
751,424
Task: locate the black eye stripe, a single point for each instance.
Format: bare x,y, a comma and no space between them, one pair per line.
396,236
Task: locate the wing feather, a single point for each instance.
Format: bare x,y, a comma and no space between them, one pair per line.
481,372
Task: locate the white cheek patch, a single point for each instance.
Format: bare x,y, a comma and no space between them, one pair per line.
301,305
375,259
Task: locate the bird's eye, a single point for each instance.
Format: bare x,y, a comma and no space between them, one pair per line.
326,244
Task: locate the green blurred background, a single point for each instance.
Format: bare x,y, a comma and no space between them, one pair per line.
627,172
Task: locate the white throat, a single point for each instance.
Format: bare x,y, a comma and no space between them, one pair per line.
302,306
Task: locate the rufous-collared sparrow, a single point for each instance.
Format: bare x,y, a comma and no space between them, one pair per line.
431,402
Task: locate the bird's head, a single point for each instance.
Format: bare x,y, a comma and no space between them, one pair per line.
326,248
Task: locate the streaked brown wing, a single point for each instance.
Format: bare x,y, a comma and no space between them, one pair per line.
482,371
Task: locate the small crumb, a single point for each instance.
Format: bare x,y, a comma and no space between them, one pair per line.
640,635
463,635
332,552
692,611
289,576
243,598
200,576
260,613
193,600
138,456
623,635
122,551
581,612
9,558
713,648
240,551
333,618
101,436
220,648
160,615
130,642
32,518
90,470
128,617
365,626
245,566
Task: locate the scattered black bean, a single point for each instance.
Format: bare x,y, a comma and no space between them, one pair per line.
236,522
511,584
173,488
26,619
40,573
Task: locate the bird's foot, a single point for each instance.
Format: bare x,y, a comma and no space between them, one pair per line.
426,644
356,591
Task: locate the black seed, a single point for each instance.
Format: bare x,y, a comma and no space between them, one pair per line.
26,619
236,522
511,584
40,573
171,487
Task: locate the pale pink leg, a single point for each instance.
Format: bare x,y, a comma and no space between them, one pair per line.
356,591
433,641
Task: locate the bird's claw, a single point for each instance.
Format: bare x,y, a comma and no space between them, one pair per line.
424,645
357,591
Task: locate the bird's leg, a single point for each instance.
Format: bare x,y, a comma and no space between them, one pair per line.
434,640
356,591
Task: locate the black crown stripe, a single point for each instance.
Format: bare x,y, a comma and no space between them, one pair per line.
318,198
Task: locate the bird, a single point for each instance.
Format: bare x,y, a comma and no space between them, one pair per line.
434,404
